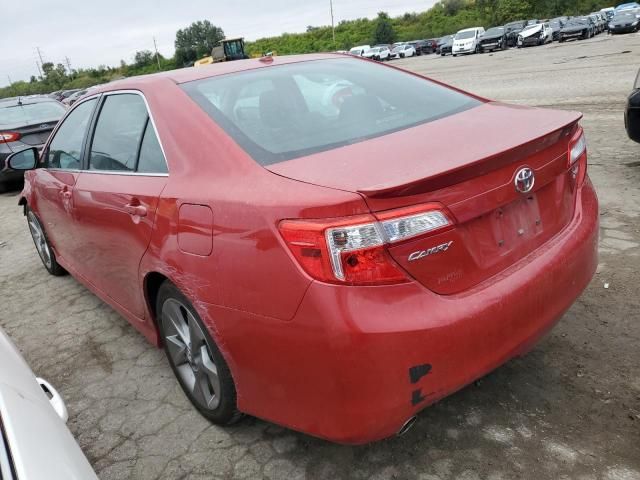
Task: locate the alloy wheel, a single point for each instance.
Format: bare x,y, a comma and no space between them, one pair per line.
40,240
190,354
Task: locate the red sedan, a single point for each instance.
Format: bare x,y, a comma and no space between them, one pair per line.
320,241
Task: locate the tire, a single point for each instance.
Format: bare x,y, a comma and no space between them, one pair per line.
43,246
195,359
454,54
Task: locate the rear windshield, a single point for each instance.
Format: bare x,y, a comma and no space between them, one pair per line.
283,112
29,113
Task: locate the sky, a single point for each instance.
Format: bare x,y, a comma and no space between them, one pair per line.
91,33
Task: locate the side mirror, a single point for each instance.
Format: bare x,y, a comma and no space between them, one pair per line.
23,160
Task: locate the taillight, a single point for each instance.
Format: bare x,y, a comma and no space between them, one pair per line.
6,137
352,250
578,157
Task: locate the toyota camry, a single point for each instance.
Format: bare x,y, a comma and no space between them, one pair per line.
321,241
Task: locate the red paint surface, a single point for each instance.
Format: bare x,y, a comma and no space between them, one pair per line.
333,360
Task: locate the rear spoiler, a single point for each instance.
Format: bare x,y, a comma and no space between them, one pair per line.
472,170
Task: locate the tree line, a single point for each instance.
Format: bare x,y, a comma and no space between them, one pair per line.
198,39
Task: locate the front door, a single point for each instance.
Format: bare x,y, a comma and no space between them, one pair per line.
55,181
116,198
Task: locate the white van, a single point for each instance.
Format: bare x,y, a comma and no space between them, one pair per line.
359,51
467,40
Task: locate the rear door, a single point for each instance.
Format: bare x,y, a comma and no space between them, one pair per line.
54,183
117,196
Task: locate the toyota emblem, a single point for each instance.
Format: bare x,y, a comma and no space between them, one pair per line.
524,180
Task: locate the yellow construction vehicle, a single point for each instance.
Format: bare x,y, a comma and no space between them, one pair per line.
228,50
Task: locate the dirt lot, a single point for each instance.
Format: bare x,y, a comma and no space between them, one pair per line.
568,410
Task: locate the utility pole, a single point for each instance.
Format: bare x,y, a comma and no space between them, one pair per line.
157,56
39,71
68,62
333,28
39,55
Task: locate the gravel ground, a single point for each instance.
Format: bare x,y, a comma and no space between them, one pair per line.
568,410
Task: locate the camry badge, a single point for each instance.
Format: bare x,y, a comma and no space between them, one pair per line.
431,251
524,180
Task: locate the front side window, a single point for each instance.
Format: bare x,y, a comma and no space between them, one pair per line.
118,133
289,111
65,150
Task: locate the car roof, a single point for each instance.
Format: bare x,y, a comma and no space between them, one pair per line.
13,101
216,69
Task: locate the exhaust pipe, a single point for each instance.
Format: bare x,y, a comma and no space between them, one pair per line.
407,426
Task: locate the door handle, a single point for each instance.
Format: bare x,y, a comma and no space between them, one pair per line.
136,210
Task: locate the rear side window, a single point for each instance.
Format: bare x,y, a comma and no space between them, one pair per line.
65,150
118,133
283,112
151,156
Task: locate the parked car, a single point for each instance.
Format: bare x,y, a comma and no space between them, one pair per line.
513,29
360,50
556,25
432,44
283,244
378,53
576,28
598,21
35,443
632,113
445,45
423,47
625,21
493,39
592,23
71,99
535,34
66,93
609,12
467,41
627,6
402,51
25,123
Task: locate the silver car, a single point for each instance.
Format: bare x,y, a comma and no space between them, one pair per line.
35,443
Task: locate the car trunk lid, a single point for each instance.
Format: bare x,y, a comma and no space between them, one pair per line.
467,163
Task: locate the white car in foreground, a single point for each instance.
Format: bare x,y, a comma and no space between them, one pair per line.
537,34
35,443
467,41
378,53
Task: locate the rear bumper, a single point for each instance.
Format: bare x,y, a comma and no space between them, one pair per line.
342,368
